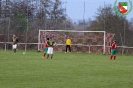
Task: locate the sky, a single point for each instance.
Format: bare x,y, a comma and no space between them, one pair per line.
85,9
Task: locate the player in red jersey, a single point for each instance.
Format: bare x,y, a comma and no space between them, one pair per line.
46,48
113,50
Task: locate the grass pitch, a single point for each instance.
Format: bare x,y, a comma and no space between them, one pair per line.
65,70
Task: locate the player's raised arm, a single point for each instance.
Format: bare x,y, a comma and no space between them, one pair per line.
55,43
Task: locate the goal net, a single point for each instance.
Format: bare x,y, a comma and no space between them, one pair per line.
82,41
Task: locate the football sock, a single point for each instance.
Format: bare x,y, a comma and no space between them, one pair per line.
51,56
111,56
47,56
114,57
69,49
44,54
14,50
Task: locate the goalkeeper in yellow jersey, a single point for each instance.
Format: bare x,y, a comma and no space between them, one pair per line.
68,44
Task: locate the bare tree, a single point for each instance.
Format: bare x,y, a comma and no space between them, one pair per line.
20,16
106,19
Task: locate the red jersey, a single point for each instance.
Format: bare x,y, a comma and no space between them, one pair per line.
114,45
46,45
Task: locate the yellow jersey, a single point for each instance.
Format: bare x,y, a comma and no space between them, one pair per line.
68,42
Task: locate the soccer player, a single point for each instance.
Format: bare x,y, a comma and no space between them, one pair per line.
113,50
51,44
46,48
68,44
14,43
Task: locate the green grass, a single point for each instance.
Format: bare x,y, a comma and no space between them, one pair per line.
65,70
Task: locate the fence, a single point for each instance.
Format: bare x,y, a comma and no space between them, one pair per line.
34,46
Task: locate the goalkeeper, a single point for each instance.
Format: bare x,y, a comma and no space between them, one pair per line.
68,44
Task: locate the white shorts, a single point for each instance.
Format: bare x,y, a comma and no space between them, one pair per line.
14,46
50,50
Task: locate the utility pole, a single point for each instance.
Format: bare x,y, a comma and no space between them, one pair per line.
0,8
104,17
27,27
124,30
83,16
7,17
65,14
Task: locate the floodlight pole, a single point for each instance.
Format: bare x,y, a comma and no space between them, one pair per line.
83,16
104,17
26,37
26,30
8,29
122,43
124,36
65,14
124,31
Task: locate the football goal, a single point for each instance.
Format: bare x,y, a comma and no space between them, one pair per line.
82,41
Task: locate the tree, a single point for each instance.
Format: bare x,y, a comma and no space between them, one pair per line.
16,16
107,20
57,15
131,24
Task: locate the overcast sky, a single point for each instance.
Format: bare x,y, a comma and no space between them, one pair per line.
79,9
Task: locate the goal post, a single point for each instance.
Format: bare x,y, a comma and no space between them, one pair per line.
82,41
